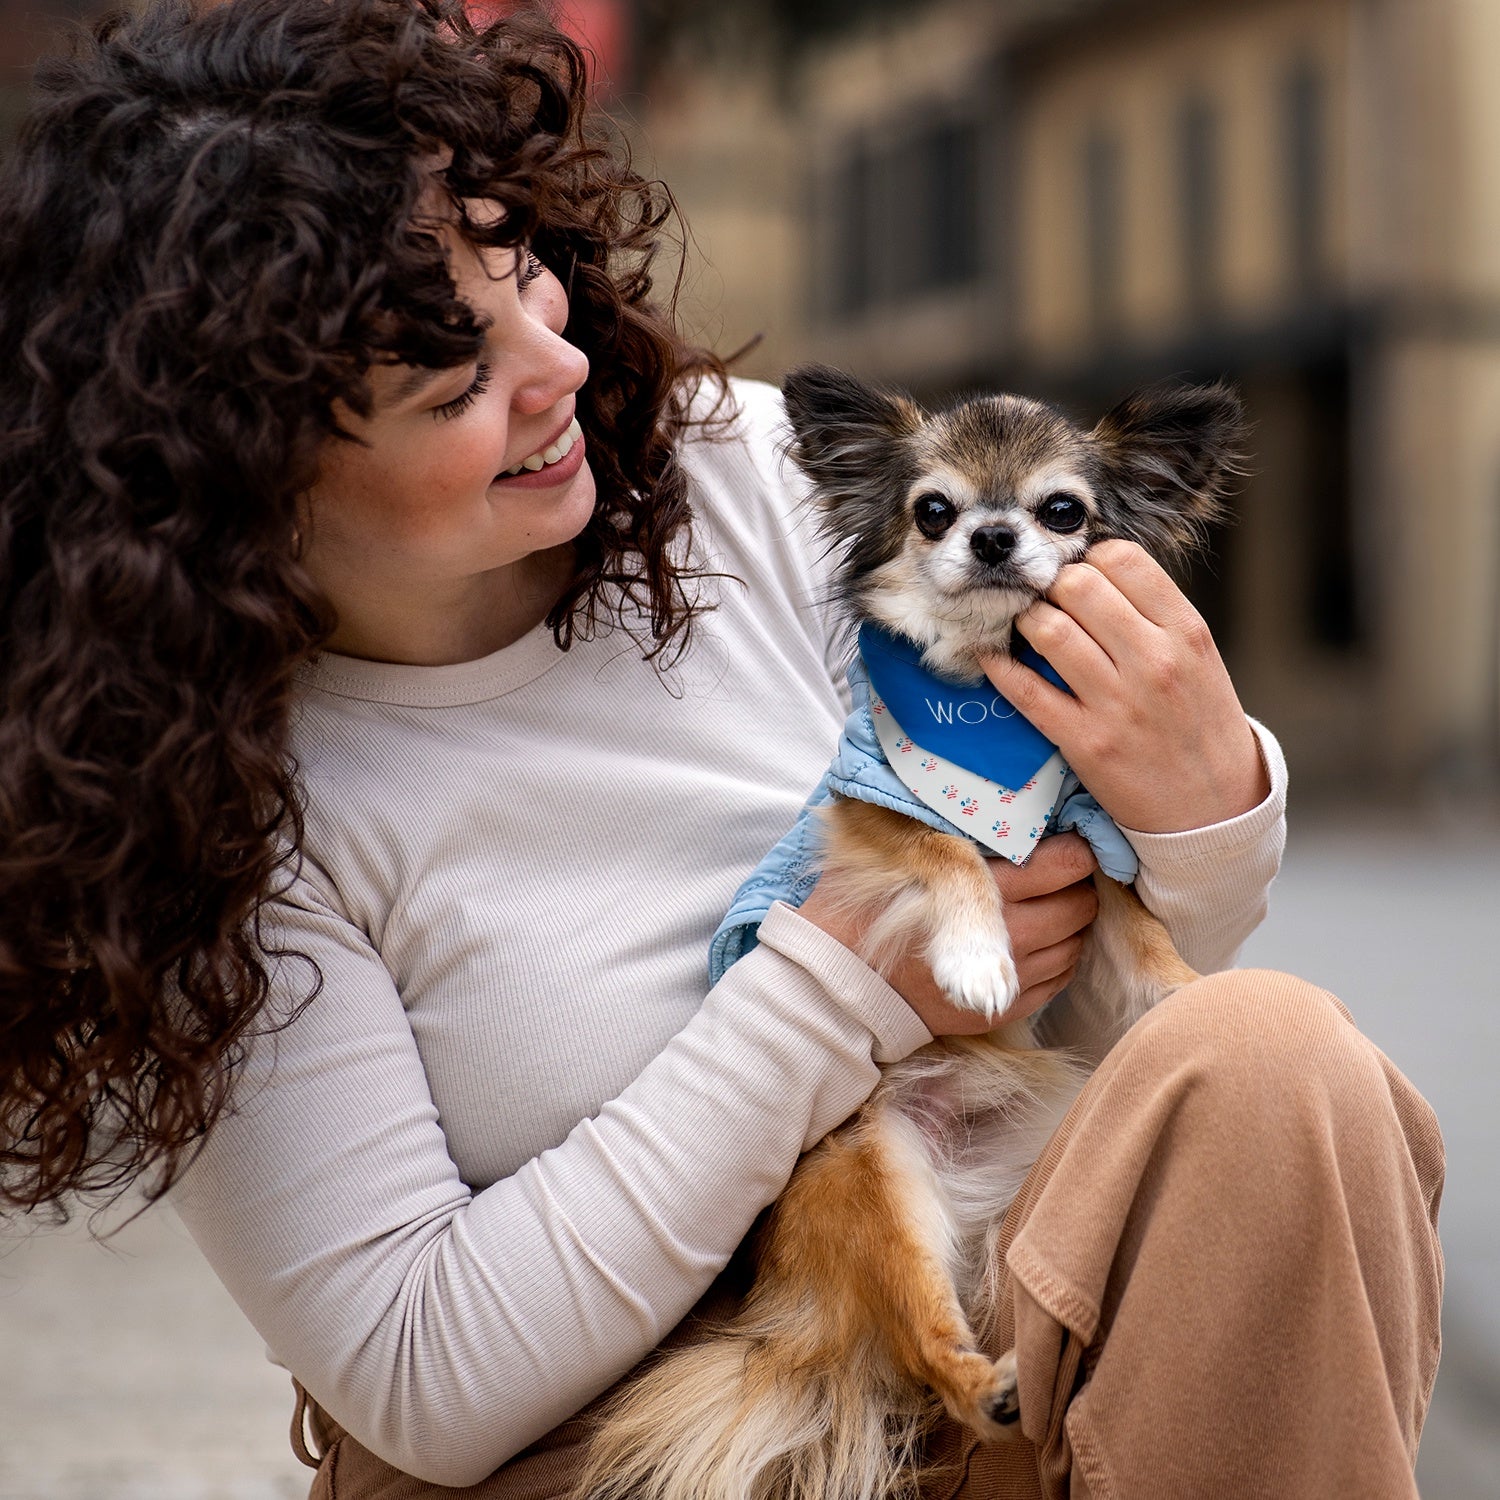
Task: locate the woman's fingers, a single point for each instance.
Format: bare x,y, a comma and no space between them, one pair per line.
1084,629
1052,971
1050,904
1142,581
1056,713
1110,620
1055,864
1053,632
1044,921
1153,727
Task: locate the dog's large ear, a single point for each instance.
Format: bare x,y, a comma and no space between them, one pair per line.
848,438
1167,456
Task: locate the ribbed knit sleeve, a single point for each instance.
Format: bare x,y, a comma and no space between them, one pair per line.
449,1329
1209,886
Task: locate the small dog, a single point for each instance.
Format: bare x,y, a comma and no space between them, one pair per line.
876,1273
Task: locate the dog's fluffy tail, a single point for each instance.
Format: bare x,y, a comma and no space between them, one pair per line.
744,1418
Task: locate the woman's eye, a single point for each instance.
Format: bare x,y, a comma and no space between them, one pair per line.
1062,513
934,514
530,268
462,402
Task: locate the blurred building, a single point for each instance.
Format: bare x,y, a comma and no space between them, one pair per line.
1073,197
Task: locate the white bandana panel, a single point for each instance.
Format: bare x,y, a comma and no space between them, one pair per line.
1010,822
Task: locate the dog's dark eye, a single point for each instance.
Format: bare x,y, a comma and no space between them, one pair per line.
1062,513
934,514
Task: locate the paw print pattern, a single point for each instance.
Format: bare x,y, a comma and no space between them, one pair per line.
991,814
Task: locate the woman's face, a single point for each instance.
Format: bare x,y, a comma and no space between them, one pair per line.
424,505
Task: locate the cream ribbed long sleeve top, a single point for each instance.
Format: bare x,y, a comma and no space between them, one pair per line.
515,1136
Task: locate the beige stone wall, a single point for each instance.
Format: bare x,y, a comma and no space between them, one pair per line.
1130,80
1428,133
1411,241
724,142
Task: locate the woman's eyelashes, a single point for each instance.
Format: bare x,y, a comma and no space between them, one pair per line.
465,399
528,269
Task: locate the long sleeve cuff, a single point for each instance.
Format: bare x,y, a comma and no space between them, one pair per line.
1209,885
898,1029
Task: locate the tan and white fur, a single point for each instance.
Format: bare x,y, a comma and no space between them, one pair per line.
876,1272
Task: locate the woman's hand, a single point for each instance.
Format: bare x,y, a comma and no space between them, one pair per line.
1154,728
1049,904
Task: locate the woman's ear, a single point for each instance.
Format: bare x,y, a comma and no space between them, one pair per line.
1167,456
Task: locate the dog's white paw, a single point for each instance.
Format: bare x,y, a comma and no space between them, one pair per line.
977,975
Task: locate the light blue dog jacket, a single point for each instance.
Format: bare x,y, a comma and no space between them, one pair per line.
860,770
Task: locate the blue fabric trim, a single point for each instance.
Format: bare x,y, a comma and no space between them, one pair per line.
790,870
966,722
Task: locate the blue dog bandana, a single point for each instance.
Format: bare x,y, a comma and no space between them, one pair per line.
966,723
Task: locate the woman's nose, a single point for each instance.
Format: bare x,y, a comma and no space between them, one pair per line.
555,370
552,367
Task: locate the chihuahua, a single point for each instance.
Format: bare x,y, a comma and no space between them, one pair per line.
876,1274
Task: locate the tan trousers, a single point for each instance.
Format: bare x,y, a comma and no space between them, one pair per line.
1224,1278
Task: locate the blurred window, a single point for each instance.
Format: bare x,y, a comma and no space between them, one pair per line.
1102,228
900,248
904,217
951,171
853,240
1198,168
1304,113
1332,605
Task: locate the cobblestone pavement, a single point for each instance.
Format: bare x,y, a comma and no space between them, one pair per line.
127,1374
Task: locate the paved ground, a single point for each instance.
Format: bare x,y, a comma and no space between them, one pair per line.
1401,920
126,1374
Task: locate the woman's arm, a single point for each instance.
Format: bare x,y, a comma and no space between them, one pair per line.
446,1328
1156,732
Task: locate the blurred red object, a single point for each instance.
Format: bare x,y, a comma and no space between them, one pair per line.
600,27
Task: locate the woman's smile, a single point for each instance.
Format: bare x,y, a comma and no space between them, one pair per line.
554,463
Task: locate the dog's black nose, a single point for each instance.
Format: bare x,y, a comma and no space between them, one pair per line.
992,544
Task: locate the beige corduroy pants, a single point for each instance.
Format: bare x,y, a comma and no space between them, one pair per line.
1224,1278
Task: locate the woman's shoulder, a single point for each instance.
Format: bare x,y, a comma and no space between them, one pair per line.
734,419
752,520
745,484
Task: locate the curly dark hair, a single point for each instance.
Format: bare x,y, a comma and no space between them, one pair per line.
211,237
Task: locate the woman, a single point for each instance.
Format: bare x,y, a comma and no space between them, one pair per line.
381,749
